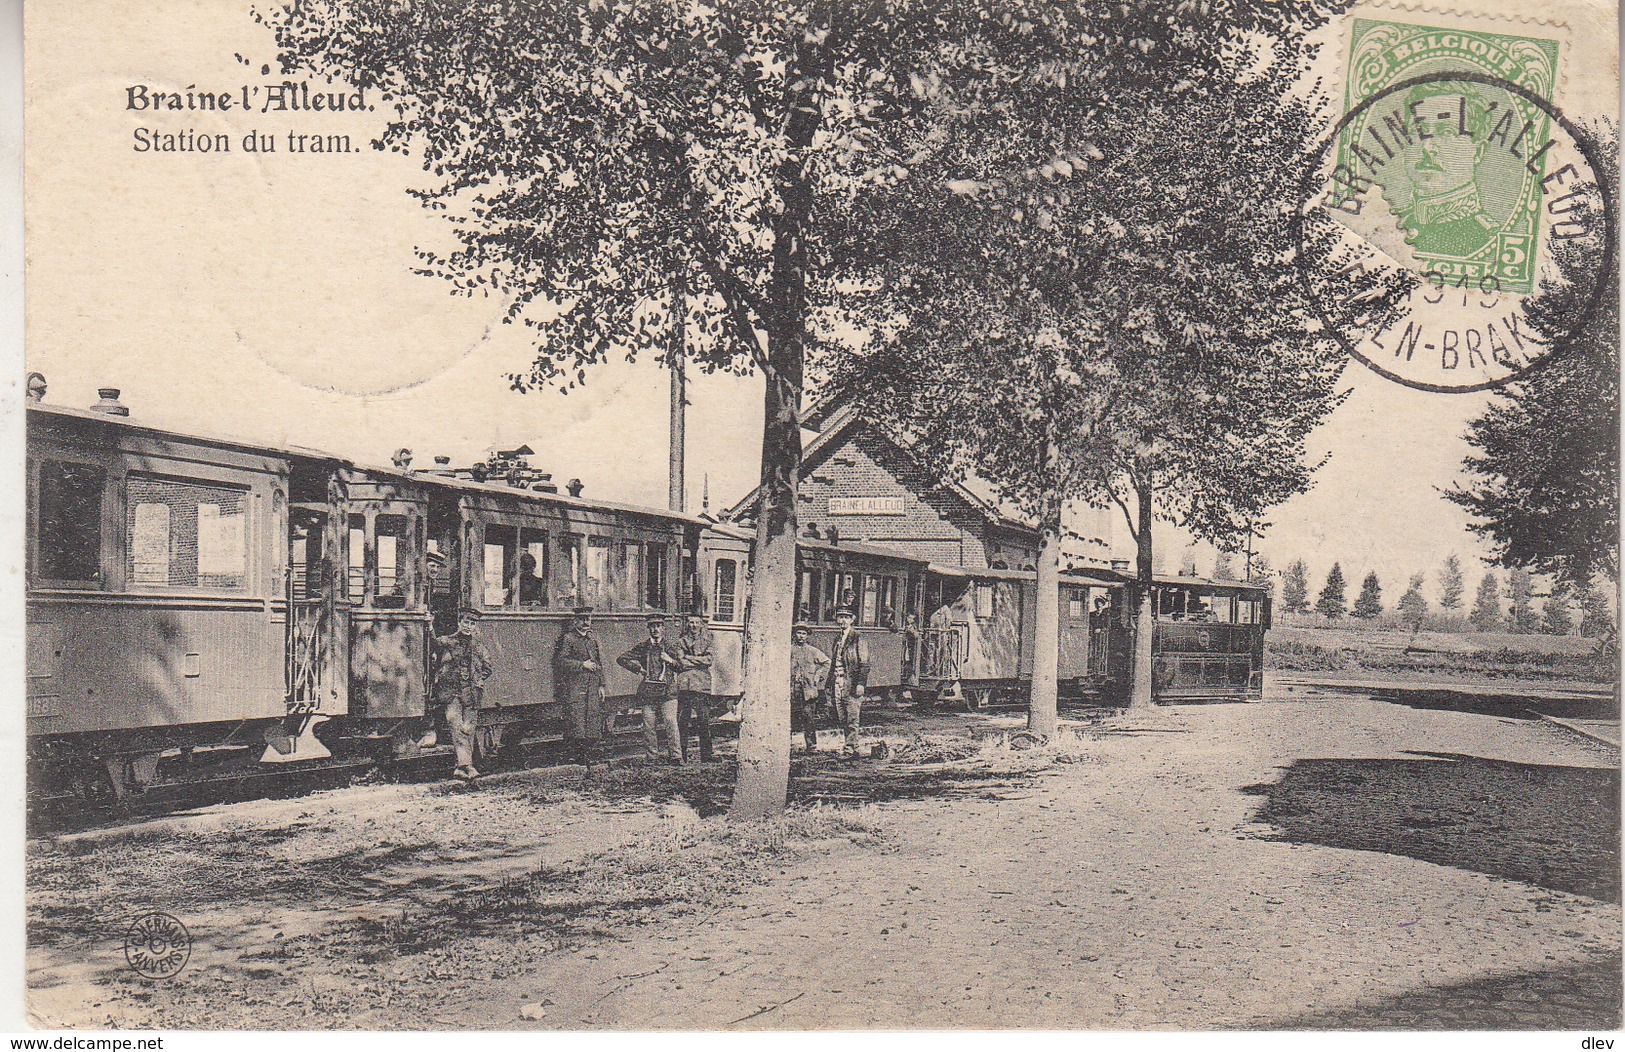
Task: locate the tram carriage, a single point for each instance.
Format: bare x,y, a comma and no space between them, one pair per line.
880,584
1208,640
521,560
979,634
157,611
189,594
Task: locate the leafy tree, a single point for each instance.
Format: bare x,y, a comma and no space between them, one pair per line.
1596,622
1223,568
1295,587
1332,602
1546,475
1187,563
1486,615
1079,331
610,167
1451,585
1413,607
1263,574
1557,618
1521,590
1369,602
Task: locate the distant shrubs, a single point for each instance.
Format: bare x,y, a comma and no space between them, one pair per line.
1303,657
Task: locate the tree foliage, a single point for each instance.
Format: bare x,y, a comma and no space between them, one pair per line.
1333,599
1295,587
1413,606
1486,613
1545,478
1368,604
1123,323
595,159
1452,585
1557,615
1264,574
1520,596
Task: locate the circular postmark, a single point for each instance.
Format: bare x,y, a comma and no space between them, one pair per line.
157,946
1456,231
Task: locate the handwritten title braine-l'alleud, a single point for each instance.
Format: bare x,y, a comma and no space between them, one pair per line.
289,96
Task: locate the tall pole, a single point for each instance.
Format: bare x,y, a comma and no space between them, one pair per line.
674,357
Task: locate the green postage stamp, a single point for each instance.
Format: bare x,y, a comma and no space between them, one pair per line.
1459,163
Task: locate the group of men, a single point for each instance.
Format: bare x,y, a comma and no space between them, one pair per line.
674,686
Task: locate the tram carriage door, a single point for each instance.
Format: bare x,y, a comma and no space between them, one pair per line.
314,676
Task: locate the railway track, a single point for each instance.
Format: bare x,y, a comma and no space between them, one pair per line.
58,813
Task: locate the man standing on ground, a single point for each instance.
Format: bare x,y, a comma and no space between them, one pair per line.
460,670
848,675
578,678
654,661
694,684
809,668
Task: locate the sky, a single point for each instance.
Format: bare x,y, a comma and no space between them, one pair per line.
271,296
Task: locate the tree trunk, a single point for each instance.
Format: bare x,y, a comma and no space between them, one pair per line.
1144,625
764,729
1041,707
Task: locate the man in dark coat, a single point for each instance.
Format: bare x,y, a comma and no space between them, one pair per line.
461,668
654,662
848,676
578,683
694,684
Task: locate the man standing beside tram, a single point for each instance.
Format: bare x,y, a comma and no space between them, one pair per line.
848,676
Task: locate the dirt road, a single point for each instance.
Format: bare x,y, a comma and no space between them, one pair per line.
1290,864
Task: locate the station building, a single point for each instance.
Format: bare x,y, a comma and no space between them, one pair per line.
865,486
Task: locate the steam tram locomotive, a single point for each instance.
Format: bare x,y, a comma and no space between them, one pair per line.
192,598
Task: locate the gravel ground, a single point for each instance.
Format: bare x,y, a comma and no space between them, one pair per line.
1318,864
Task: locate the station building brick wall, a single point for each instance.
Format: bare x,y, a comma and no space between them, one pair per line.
936,523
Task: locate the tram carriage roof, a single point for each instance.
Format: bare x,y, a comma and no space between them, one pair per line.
818,544
1099,576
302,453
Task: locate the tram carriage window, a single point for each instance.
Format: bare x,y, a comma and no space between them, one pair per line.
68,525
530,589
186,534
869,614
501,558
656,576
303,559
1077,603
629,582
1247,611
390,533
723,605
810,602
599,588
830,593
574,587
886,610
984,601
356,574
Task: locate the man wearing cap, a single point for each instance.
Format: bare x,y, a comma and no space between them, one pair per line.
694,684
654,661
809,668
578,683
461,668
848,675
